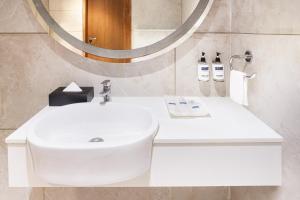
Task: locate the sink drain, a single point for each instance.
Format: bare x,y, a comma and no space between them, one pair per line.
97,139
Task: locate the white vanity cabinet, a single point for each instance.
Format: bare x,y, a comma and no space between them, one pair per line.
216,165
231,147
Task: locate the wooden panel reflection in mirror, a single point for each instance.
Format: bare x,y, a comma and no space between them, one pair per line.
108,25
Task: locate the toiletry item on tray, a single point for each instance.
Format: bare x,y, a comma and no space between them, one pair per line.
185,107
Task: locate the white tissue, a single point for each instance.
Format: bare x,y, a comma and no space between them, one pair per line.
73,87
239,87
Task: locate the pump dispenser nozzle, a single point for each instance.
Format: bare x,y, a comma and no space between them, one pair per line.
203,59
218,59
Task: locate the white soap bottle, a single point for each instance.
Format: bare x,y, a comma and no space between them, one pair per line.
203,69
218,69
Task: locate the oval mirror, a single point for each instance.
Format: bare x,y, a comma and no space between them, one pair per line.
122,30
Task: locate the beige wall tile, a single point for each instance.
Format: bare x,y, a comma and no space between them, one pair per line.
184,193
156,14
199,193
274,97
65,5
218,18
268,16
187,56
187,8
107,193
142,38
257,193
16,16
71,21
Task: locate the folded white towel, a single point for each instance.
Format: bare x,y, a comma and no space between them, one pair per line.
73,87
182,107
239,87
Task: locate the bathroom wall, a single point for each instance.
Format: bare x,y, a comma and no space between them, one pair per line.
271,29
156,14
68,14
32,64
187,7
154,20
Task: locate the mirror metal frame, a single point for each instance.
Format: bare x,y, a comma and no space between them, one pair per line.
143,53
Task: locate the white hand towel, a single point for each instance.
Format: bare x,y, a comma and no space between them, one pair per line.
73,87
239,87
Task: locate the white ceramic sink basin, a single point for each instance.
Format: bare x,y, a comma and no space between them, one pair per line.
90,144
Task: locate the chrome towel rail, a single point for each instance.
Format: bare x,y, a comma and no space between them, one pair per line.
248,57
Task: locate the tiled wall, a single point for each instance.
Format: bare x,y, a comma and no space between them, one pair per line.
271,29
32,64
154,20
187,7
68,14
156,14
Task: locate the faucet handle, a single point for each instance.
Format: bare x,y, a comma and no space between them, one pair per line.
106,83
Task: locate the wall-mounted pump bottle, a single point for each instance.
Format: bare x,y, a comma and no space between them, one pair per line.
218,69
203,69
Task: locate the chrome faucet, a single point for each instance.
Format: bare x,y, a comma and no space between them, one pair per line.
106,92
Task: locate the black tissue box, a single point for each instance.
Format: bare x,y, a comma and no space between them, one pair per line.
60,98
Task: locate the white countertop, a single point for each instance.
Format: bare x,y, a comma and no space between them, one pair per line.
228,123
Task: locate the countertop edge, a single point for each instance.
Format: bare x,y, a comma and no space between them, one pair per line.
19,136
186,141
